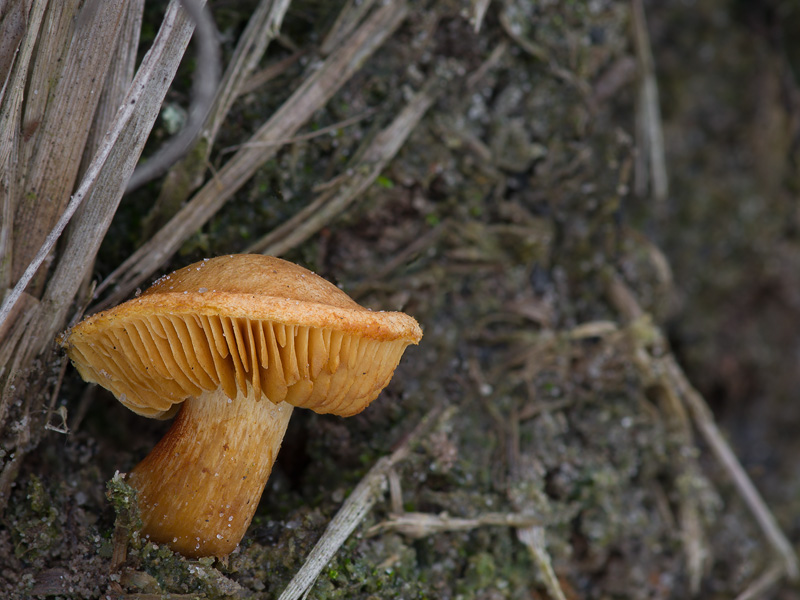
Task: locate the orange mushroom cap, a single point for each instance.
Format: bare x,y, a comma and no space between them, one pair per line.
233,320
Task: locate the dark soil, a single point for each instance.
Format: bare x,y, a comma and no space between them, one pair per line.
501,226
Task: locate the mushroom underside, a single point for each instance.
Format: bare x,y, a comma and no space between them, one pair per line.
151,362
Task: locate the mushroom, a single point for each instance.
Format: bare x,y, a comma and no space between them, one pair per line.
232,344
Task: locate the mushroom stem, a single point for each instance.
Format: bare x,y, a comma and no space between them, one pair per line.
200,486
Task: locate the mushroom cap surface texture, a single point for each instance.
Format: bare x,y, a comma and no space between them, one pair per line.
242,319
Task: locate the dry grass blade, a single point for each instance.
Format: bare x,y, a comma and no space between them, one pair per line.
349,17
419,525
303,137
12,30
187,175
101,189
666,369
652,163
326,207
262,27
11,103
534,540
314,93
479,8
704,421
261,77
113,169
118,80
206,80
133,124
763,584
353,511
55,148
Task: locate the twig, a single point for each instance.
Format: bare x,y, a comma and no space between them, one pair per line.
148,87
303,137
532,410
534,540
704,420
419,525
532,48
325,208
349,17
395,491
62,411
188,174
592,329
145,596
355,508
675,378
403,256
9,474
479,8
445,127
490,63
206,79
759,587
695,544
256,80
79,414
263,26
312,94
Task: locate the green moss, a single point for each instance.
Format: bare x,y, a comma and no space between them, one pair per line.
37,523
384,182
481,570
123,498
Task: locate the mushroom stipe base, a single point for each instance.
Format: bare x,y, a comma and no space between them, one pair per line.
200,486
